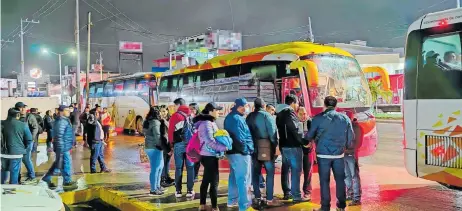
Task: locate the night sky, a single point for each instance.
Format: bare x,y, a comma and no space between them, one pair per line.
154,22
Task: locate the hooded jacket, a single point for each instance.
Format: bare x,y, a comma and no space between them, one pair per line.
290,133
240,133
176,124
333,134
63,135
16,136
206,128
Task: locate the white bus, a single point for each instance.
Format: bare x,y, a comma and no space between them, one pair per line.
433,98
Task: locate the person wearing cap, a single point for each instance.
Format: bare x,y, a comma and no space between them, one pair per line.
332,133
63,141
194,108
32,123
16,138
290,144
264,133
206,128
240,156
35,113
74,118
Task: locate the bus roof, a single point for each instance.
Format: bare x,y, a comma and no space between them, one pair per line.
135,75
289,51
435,19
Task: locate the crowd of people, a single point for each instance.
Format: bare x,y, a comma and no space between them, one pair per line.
256,138
22,127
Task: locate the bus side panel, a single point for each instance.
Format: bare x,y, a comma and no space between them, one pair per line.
126,103
439,142
410,138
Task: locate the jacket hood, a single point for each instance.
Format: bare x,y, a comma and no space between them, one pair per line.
280,107
198,120
185,109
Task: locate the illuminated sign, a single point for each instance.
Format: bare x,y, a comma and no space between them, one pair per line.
130,47
35,73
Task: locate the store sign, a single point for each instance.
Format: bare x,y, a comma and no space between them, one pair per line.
97,67
130,47
35,73
200,56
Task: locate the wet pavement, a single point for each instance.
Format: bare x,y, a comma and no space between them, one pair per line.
386,185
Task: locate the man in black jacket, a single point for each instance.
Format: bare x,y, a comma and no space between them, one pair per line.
290,143
74,118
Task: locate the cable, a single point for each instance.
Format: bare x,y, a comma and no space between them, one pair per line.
55,9
48,8
41,8
232,13
102,19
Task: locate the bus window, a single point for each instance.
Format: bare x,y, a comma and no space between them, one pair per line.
108,89
174,84
226,87
129,87
99,90
118,88
441,72
204,86
142,89
163,85
186,87
92,90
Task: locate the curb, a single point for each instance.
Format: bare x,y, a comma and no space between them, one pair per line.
390,121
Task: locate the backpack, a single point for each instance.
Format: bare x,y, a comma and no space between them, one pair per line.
187,131
193,149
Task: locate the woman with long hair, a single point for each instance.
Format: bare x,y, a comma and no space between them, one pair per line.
206,128
154,131
166,180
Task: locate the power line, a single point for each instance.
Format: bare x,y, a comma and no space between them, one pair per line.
55,8
232,13
102,19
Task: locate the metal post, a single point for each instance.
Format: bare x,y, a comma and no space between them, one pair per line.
311,36
458,3
23,78
77,44
87,84
60,78
101,64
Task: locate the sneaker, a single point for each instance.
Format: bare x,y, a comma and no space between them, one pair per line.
232,205
340,209
215,209
202,207
156,193
106,171
349,198
273,203
29,181
354,203
71,183
288,197
306,197
50,184
178,194
190,194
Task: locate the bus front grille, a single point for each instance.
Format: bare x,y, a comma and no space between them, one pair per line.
443,151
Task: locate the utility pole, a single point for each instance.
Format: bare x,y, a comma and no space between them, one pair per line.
458,3
87,84
310,33
77,46
23,78
60,78
101,64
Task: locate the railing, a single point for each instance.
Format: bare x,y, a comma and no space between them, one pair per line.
443,151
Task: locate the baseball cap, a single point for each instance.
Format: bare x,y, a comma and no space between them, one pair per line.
13,112
431,54
330,101
240,102
212,106
62,107
20,105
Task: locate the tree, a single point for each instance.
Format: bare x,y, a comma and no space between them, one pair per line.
376,90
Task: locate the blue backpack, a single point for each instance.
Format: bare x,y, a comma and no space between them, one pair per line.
188,128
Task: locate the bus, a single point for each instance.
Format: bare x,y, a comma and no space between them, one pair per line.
433,98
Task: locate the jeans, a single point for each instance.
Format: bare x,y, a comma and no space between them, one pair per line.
84,133
338,168
211,175
156,160
63,161
179,151
352,178
165,171
308,161
285,179
106,132
14,167
49,139
97,155
27,160
292,157
257,178
239,180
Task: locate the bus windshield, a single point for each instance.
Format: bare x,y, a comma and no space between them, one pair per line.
341,77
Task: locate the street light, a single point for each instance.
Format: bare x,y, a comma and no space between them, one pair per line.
72,52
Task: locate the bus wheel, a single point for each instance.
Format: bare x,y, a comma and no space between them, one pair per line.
451,186
139,125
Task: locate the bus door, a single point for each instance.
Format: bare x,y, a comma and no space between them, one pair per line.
308,77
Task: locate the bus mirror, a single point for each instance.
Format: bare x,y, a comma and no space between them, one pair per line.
312,75
384,77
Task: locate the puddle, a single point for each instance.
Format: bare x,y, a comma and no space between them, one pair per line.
93,205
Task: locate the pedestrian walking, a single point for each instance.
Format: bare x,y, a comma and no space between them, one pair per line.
16,137
290,142
48,123
63,139
31,122
106,122
240,156
333,134
206,128
166,180
264,134
179,132
97,147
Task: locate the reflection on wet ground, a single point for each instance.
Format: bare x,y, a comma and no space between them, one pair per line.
386,184
93,205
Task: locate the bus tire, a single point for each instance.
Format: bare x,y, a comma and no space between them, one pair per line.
139,125
451,186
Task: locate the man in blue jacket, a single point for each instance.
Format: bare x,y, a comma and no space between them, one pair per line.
239,157
63,141
16,137
333,134
263,129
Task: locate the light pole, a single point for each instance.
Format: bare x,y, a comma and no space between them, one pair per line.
60,72
23,78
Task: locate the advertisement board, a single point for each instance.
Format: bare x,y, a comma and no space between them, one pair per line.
130,47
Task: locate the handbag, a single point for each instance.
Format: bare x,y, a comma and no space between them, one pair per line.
264,150
143,156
